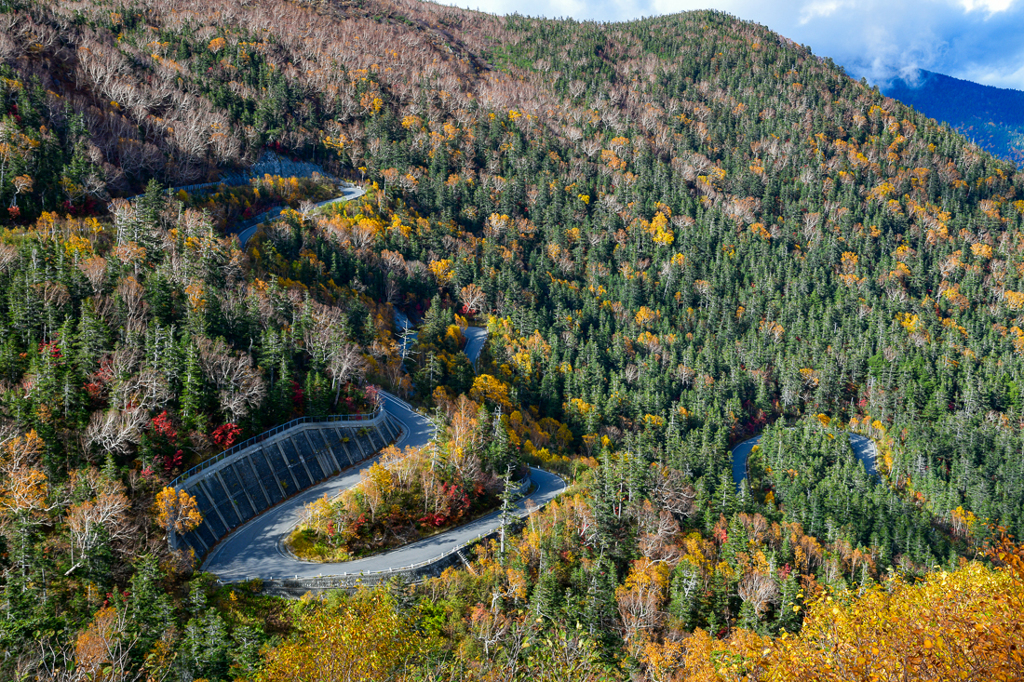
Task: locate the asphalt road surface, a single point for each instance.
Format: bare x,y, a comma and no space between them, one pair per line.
475,338
255,550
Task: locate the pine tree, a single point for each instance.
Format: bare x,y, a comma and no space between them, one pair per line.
91,340
787,616
192,391
546,598
148,605
510,494
150,206
685,592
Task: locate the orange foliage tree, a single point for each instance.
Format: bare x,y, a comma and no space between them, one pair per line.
25,493
103,650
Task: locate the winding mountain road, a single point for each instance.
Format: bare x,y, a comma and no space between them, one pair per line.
347,194
256,549
863,448
475,339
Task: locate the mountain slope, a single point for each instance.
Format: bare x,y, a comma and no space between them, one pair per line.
680,232
992,117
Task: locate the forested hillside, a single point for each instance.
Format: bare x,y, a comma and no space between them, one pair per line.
679,232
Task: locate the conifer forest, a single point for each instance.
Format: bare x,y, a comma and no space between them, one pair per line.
676,234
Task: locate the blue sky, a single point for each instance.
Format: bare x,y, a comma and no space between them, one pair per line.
978,40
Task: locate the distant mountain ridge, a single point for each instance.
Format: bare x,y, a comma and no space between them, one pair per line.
991,117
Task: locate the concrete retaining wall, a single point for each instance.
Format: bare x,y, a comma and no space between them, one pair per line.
248,482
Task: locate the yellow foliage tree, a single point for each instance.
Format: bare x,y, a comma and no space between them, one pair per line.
442,270
640,599
956,625
366,638
645,316
660,231
490,390
177,511
377,484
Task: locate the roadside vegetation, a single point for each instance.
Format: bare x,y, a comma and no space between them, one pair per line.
412,494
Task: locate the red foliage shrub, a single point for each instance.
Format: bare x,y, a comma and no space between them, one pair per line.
226,435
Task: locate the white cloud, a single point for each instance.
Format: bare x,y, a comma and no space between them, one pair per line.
990,6
977,40
821,8
996,78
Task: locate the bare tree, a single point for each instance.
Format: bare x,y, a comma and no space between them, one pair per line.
346,364
103,516
328,345
473,297
240,385
325,327
671,492
116,431
8,257
759,589
120,428
136,309
659,531
95,270
148,389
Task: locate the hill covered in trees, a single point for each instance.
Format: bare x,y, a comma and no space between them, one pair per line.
679,231
991,117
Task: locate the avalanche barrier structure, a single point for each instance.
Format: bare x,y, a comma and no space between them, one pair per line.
254,475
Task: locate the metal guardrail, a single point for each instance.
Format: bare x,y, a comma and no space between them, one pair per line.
248,443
